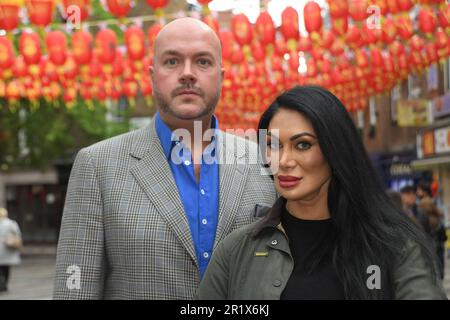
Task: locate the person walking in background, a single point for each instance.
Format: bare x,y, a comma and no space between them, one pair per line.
10,244
410,208
437,231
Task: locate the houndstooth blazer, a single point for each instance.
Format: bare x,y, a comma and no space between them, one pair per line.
124,233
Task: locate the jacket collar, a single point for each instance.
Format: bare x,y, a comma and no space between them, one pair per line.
272,219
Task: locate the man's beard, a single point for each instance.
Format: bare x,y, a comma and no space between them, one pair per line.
164,105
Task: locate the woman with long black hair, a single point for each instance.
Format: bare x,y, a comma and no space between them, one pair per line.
333,233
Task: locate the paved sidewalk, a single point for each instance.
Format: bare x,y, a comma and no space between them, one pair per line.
33,279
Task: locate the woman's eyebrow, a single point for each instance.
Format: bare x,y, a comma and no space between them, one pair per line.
298,135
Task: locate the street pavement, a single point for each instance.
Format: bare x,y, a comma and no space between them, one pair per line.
33,279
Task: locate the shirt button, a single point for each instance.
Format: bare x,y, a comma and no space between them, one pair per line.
202,192
187,162
204,221
206,255
276,283
274,242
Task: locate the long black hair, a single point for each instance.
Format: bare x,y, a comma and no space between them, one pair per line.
369,228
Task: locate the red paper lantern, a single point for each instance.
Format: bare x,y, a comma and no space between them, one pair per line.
289,27
157,4
9,16
40,12
444,16
427,20
361,59
389,31
381,5
371,35
153,31
304,44
70,67
29,47
6,53
432,53
353,36
56,47
393,6
405,5
417,43
13,90
227,40
338,8
135,43
130,89
106,44
48,70
396,49
328,38
119,8
404,27
82,47
358,9
118,64
339,26
242,29
376,58
312,17
258,51
265,29
83,5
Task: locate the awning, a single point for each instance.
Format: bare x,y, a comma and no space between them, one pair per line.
431,163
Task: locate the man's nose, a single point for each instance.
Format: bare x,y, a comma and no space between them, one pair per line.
187,74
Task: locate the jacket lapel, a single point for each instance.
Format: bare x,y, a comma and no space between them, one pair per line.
154,175
232,177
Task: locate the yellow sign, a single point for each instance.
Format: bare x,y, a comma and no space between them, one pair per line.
413,113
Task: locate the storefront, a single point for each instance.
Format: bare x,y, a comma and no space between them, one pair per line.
433,153
395,169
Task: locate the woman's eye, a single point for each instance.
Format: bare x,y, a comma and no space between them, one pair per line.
303,145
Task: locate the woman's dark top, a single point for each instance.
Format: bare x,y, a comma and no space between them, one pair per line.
309,239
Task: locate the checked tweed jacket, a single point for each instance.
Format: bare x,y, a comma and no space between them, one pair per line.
124,233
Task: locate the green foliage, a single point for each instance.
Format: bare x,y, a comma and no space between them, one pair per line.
52,131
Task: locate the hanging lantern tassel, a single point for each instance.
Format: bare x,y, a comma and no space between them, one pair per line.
132,102
149,101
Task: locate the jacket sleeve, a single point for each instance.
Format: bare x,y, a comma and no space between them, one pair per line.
80,255
214,285
413,278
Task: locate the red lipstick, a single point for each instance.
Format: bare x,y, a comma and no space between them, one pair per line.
288,181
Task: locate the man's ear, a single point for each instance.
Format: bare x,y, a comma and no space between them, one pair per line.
151,69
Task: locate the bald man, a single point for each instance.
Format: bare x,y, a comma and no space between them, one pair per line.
145,210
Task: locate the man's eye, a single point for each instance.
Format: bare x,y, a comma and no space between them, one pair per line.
303,145
204,62
171,61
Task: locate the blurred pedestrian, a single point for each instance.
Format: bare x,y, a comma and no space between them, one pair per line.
423,190
409,202
437,230
10,244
